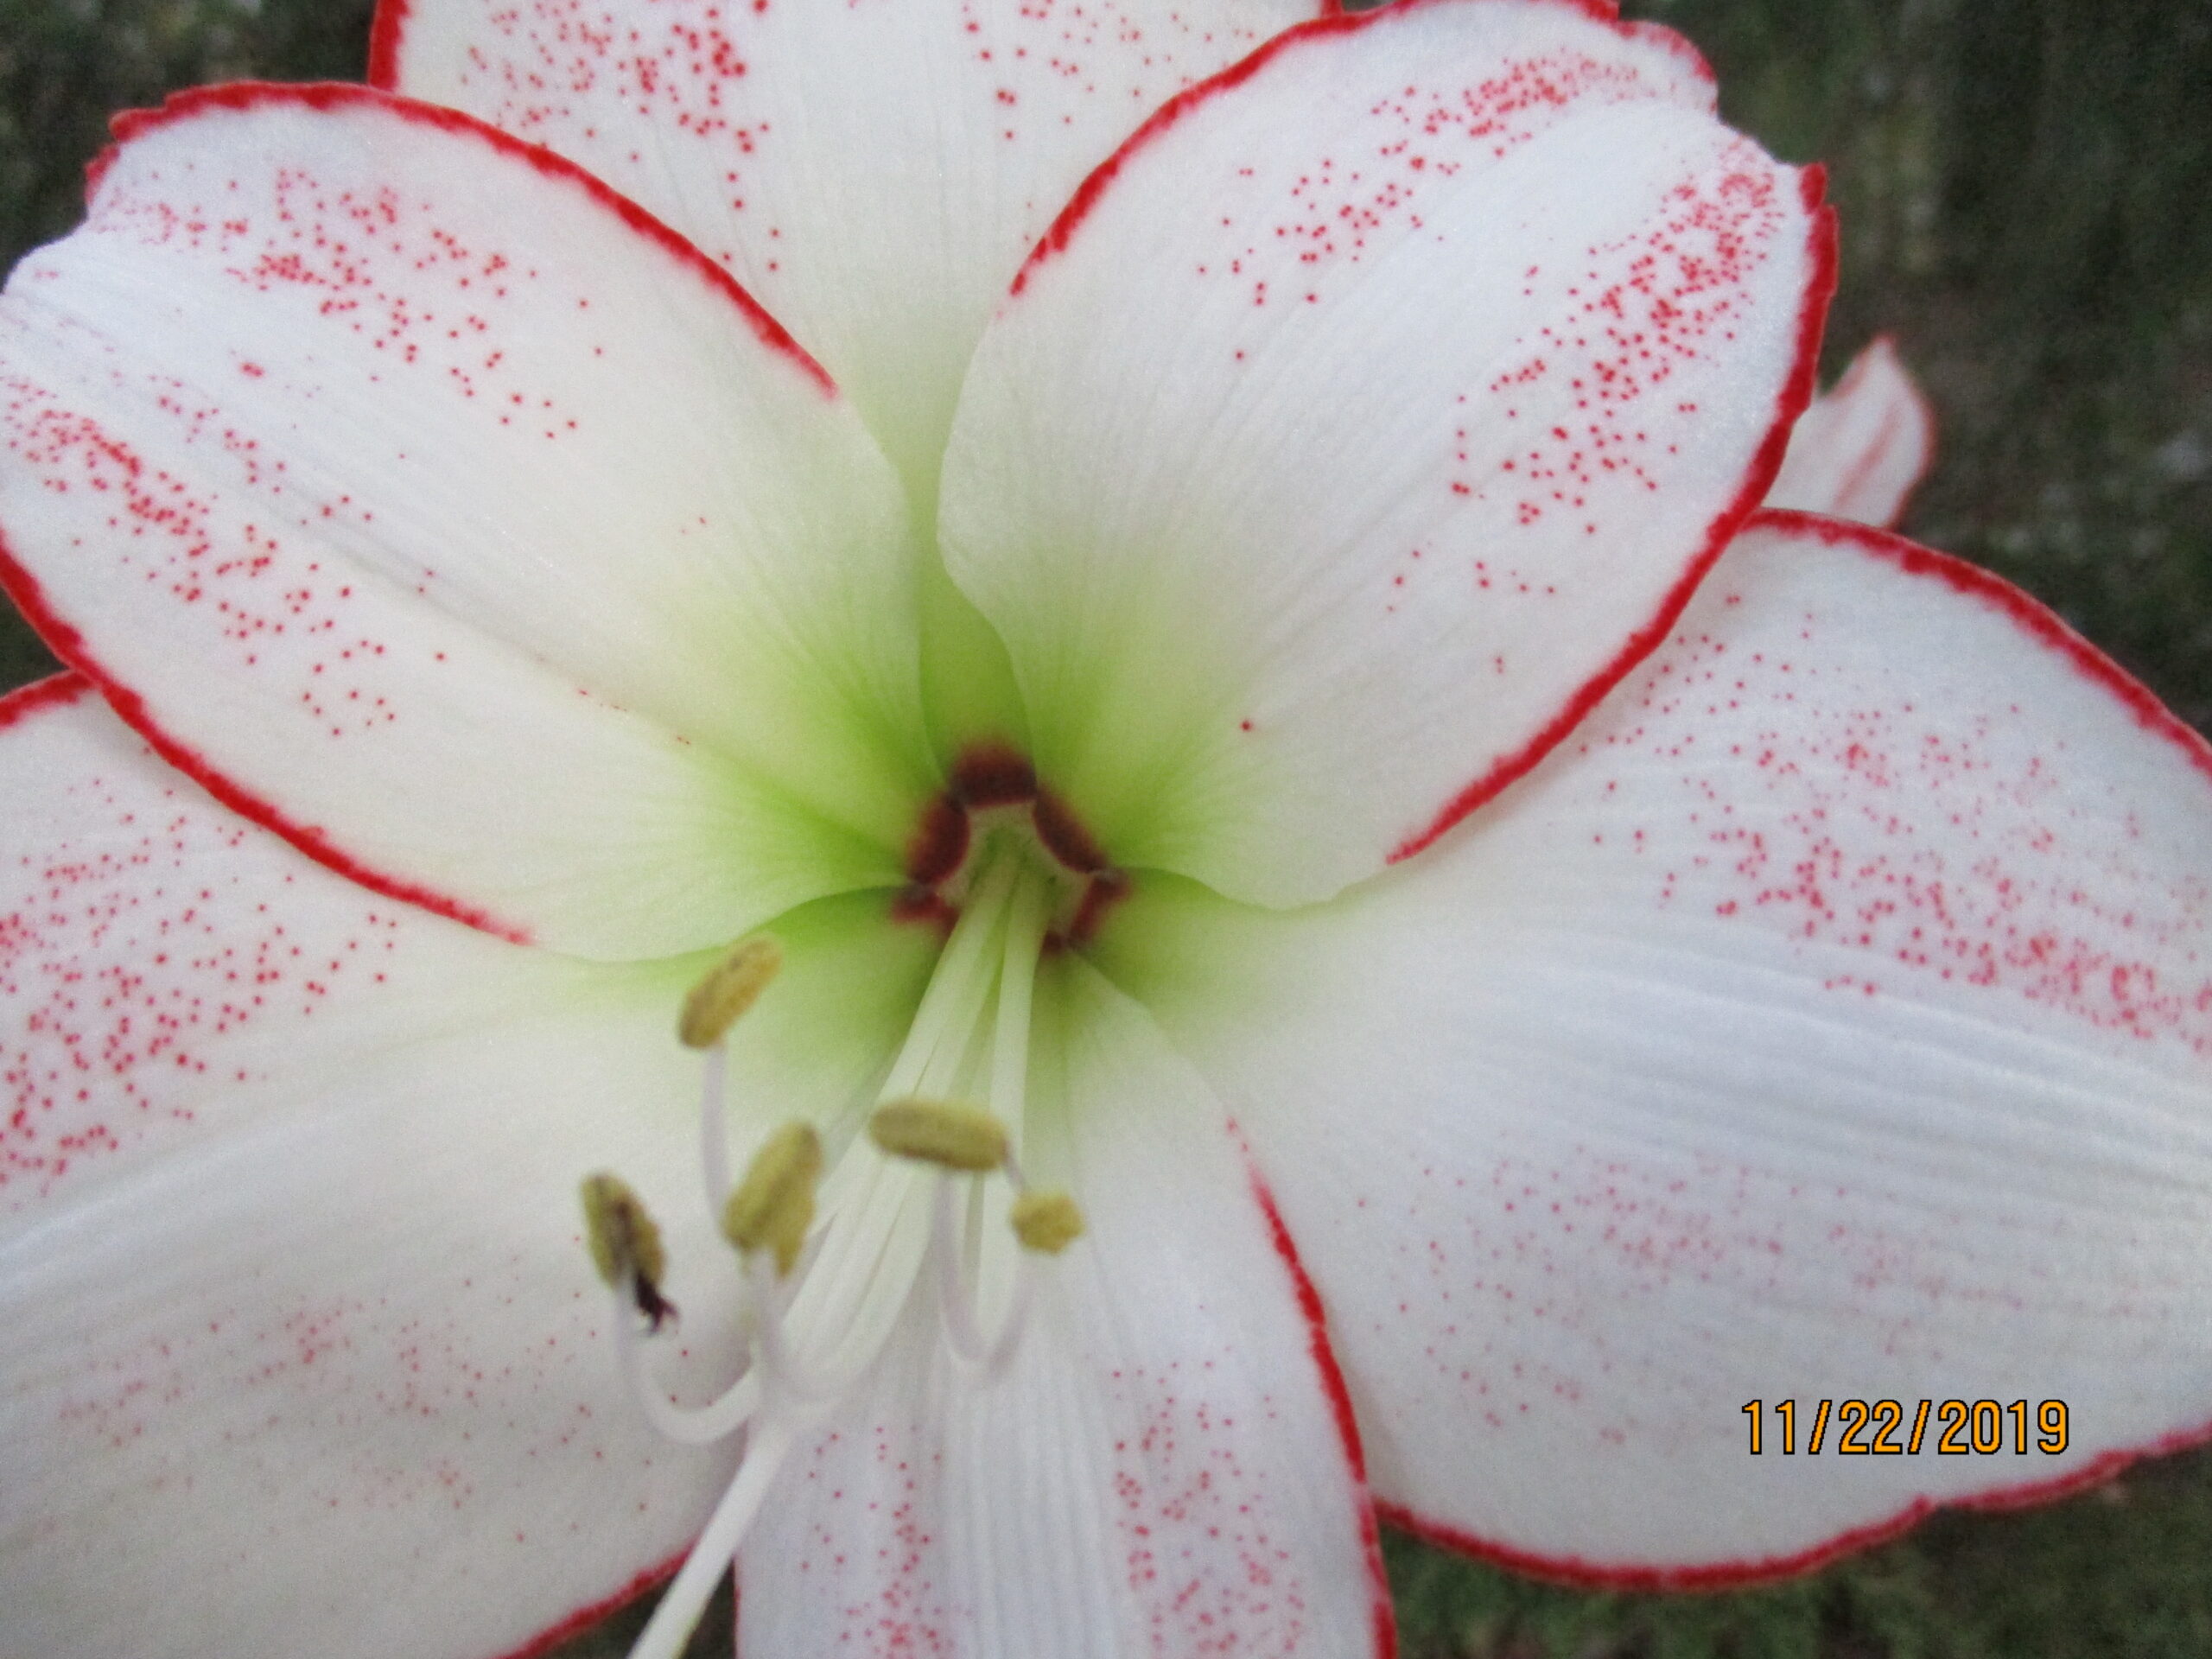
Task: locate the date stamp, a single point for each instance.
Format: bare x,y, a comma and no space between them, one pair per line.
1959,1427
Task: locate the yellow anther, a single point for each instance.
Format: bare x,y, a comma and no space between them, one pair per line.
1046,1223
940,1132
773,1205
625,1243
731,987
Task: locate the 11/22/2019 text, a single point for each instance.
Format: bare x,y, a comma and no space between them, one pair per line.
1963,1427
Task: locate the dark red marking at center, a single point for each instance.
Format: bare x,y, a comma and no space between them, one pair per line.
992,774
1064,837
995,774
923,907
939,843
1107,889
657,1308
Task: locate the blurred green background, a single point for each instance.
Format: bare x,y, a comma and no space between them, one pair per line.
2026,198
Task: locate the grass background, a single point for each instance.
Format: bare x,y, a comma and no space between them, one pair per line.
2026,197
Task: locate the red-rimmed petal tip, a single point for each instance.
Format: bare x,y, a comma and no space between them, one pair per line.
1861,449
786,139
1167,1460
389,475
266,1312
1829,1019
1328,482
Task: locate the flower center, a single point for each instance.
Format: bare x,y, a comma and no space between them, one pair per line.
833,1263
994,794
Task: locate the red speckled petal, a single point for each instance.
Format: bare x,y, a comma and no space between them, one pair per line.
1371,413
450,516
265,1314
874,173
1831,1018
300,1334
1168,1467
1861,448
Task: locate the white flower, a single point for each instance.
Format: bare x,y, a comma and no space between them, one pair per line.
1243,693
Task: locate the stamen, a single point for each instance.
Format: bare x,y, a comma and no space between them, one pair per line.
784,1377
856,1282
821,1298
963,1331
731,987
627,1249
773,1205
686,1597
953,1000
1025,938
625,1244
940,1132
861,1280
714,1127
687,1425
1046,1223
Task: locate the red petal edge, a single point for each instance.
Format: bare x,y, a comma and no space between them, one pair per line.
1791,402
390,23
1578,1573
1333,20
386,33
1796,389
2036,620
1339,1397
69,644
2030,615
61,691
1660,35
1929,423
55,691
1604,10
1385,1626
584,1617
338,95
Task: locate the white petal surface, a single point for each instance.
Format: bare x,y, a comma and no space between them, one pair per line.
1166,1469
400,478
874,173
1858,451
301,1337
1831,1020
1364,419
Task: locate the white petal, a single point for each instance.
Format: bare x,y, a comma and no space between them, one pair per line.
1168,1468
462,523
301,1337
1364,419
874,173
1864,444
1831,1020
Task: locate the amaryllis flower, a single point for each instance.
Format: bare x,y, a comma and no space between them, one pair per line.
1233,670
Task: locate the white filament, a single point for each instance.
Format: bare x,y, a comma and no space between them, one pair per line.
670,1628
